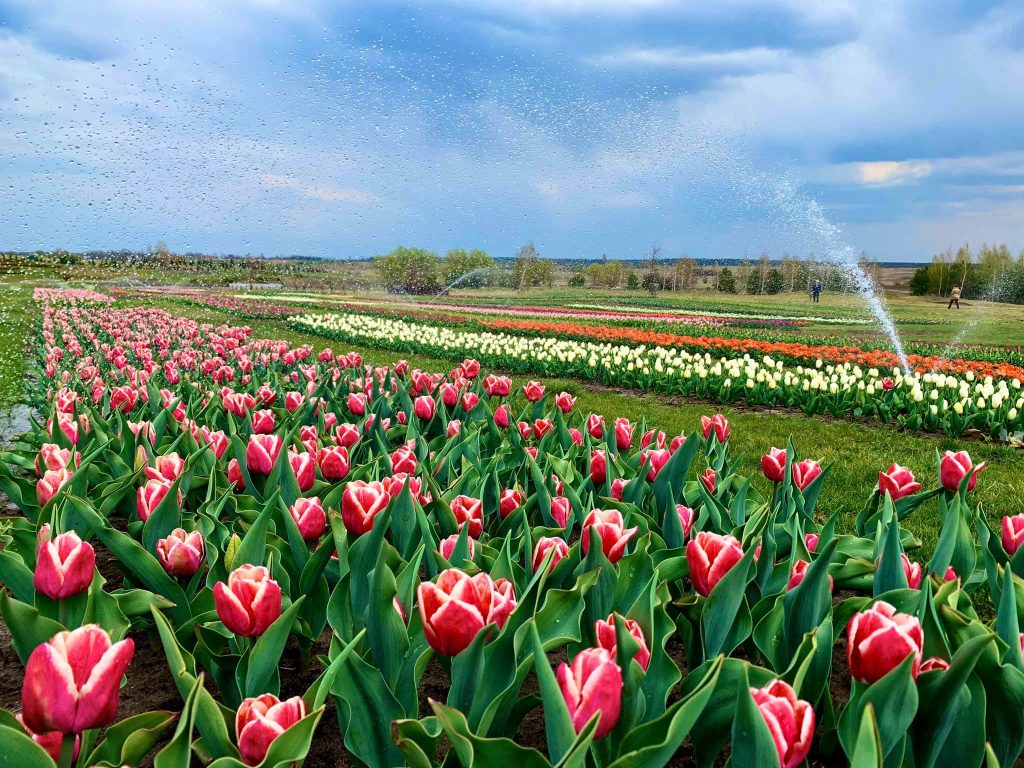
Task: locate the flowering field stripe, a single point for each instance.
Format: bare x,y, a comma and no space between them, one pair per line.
918,401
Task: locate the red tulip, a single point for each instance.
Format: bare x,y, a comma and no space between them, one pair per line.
263,422
804,472
262,452
595,425
503,602
686,518
618,488
1013,533
181,554
717,424
449,395
357,403
592,684
497,386
811,541
293,401
52,457
167,467
525,429
564,401
404,460
123,399
612,531
954,467
605,631
304,467
653,437
470,368
469,401
216,439
533,391
897,482
790,721
796,576
561,507
935,664
424,407
235,475
912,572
576,435
711,556
510,501
361,502
250,601
773,465
541,427
656,459
346,435
468,510
64,566
708,479
623,434
149,496
51,482
598,467
879,639
546,544
448,544
502,416
310,518
72,681
454,609
51,741
262,719
333,461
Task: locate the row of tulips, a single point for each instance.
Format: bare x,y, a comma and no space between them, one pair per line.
634,588
916,401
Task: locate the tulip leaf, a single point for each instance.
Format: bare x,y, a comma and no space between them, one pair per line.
365,705
867,749
164,519
386,631
895,700
725,608
752,742
890,574
16,576
178,753
479,751
807,604
558,723
418,740
18,750
1008,621
28,629
292,746
316,694
265,655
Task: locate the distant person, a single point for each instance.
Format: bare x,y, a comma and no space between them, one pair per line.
954,297
816,291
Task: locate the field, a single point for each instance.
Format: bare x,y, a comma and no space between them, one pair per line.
485,526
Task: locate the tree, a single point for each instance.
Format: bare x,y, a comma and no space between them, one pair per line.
458,263
632,281
578,280
531,271
775,282
754,282
726,281
651,281
524,261
919,282
409,270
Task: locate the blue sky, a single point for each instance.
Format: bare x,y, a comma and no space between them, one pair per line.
715,129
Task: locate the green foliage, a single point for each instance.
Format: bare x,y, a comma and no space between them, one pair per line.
632,280
726,281
459,262
409,270
578,280
774,283
531,271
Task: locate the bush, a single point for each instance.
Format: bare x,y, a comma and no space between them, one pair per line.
775,281
459,262
632,281
919,282
726,281
578,280
409,270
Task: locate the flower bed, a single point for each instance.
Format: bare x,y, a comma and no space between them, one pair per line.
630,590
920,401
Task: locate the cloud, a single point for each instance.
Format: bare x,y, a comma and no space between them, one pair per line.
755,59
891,172
319,192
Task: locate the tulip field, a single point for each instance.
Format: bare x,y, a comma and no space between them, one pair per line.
325,561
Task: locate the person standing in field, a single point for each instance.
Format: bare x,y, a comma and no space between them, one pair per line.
816,291
954,297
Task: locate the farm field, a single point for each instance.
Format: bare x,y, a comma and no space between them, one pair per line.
580,528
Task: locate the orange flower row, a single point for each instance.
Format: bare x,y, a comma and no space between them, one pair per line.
833,354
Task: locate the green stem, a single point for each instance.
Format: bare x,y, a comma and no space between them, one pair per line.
62,613
67,746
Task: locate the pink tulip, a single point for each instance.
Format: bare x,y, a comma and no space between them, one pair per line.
502,416
235,475
404,460
773,465
262,452
361,502
510,501
564,401
790,721
717,424
64,566
623,434
533,391
598,467
304,467
595,425
310,518
561,508
334,462
592,684
612,531
293,401
656,459
1013,533
167,467
711,556
51,741
546,544
935,664
879,639
468,510
576,435
912,572
250,601
346,435
263,422
686,518
497,386
541,427
954,467
357,403
52,457
796,576
262,719
804,473
424,407
709,479
525,429
149,496
605,631
470,368
469,401
72,681
897,482
51,482
181,554
811,541
448,544
618,488
453,428
454,609
503,602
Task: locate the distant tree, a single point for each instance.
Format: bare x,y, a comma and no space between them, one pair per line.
775,282
684,274
459,262
409,270
726,281
651,280
919,283
632,280
802,278
743,274
606,274
753,282
531,271
577,280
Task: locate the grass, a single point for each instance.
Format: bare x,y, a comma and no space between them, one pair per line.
15,321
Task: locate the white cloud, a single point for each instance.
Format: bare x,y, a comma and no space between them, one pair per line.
755,59
885,172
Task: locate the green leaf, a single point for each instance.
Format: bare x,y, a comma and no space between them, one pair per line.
28,629
18,750
723,606
894,699
482,752
178,753
867,750
557,721
265,653
752,743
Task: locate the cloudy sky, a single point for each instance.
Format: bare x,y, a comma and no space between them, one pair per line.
717,129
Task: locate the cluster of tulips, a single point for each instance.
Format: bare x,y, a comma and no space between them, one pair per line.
920,400
632,590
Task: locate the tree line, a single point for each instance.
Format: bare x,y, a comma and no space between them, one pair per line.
420,271
991,274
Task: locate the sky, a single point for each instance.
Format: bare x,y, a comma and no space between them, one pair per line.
340,129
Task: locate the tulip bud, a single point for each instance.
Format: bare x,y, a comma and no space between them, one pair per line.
686,519
52,457
708,479
448,544
502,416
454,609
711,556
879,639
546,544
263,422
623,434
149,496
403,460
51,482
357,403
235,475
804,473
561,508
361,502
262,452
509,502
790,721
334,462
611,530
262,719
811,541
497,386
64,566
935,664
773,465
954,467
656,459
250,601
595,426
181,554
591,684
1013,533
346,435
533,391
717,424
51,741
564,401
897,482
309,516
468,510
605,631
424,407
598,467
304,467
796,576
618,488
72,681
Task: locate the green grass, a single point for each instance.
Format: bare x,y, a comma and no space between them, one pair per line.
15,321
